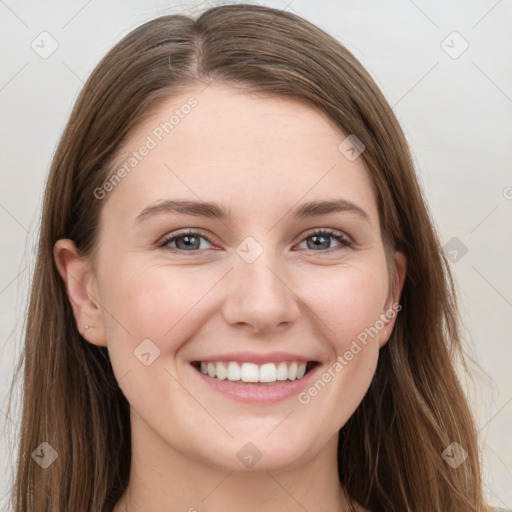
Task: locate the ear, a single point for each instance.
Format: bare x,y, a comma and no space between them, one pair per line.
81,290
392,306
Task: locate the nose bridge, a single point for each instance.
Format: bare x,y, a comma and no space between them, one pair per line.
259,294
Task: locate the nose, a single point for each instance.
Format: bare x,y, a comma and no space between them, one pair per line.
260,296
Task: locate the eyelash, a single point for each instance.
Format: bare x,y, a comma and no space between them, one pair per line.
342,239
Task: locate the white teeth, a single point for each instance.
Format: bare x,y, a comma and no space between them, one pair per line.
268,372
233,371
222,372
282,371
251,372
292,371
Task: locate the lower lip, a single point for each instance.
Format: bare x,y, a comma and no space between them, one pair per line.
256,392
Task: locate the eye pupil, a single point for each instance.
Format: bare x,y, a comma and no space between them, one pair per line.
190,241
324,243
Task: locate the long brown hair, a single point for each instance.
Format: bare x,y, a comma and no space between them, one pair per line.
390,450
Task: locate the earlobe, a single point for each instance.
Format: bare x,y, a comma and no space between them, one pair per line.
79,282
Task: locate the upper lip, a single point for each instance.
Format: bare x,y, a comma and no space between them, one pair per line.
254,357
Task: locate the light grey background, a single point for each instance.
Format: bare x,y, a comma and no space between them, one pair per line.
456,111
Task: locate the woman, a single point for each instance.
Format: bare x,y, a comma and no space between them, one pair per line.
240,300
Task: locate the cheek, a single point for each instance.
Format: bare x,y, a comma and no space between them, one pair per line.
346,304
149,313
349,301
152,302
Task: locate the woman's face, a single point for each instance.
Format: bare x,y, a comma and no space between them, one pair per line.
257,285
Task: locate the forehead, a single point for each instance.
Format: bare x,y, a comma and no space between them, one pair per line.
224,144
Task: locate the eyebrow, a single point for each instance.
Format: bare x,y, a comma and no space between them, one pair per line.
217,211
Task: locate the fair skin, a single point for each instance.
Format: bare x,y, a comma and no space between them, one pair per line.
260,157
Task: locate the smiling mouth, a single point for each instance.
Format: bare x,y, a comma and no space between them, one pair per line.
251,373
